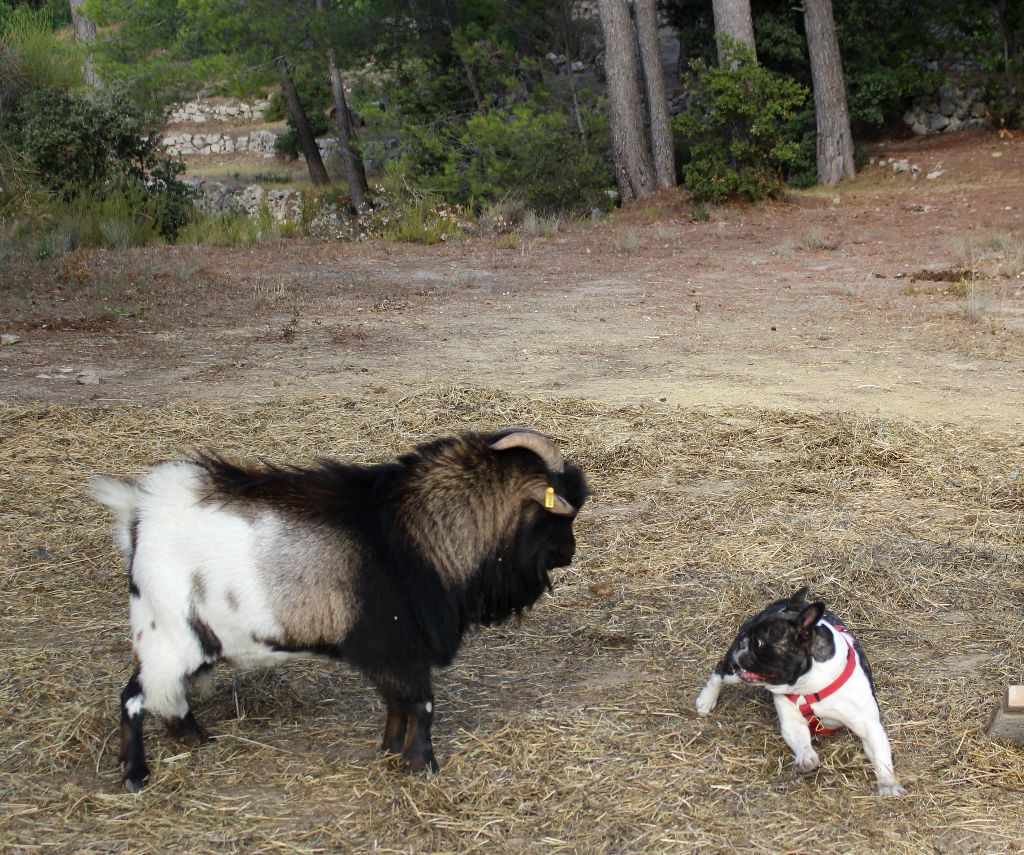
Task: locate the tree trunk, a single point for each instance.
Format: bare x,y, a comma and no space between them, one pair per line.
565,18
352,163
657,102
633,167
297,113
835,142
85,32
733,19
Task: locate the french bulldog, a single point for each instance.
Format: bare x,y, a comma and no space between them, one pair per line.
819,678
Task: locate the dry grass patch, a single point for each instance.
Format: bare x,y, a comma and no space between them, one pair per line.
573,731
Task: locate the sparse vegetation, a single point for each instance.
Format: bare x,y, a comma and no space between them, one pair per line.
627,242
978,302
815,239
535,225
406,213
236,228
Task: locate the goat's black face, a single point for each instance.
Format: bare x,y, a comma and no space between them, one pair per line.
555,530
550,538
542,542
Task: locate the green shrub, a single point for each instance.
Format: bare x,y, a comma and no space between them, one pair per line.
738,132
535,152
92,147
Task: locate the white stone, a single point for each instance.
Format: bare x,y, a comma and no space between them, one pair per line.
88,378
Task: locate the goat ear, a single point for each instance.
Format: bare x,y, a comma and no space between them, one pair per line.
810,616
548,499
798,600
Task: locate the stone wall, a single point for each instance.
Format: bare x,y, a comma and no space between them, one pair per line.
201,111
330,221
214,197
951,108
181,143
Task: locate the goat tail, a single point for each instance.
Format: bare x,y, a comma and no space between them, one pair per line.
122,497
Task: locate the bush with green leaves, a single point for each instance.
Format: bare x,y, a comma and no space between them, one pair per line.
739,132
93,145
534,152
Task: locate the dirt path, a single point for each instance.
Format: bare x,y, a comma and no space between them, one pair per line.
808,305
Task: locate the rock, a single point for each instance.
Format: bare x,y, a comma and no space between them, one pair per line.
899,166
88,378
938,123
935,173
9,338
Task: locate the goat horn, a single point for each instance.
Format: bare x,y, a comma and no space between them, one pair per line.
539,444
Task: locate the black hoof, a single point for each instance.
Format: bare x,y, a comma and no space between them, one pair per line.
188,731
420,762
135,780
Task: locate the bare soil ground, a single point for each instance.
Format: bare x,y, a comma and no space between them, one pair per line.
796,392
810,304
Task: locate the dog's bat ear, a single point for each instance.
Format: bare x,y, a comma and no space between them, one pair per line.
810,616
798,600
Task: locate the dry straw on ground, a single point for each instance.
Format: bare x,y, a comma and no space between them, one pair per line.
573,731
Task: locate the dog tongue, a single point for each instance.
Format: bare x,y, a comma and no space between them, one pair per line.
751,677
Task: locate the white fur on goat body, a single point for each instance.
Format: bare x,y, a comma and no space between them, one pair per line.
197,560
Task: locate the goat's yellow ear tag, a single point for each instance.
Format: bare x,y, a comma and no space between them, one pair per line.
549,498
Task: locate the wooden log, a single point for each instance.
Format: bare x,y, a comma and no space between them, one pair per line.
1007,721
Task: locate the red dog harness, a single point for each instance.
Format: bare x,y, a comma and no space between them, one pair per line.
804,702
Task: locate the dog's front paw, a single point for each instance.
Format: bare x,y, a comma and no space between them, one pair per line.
807,762
891,791
706,700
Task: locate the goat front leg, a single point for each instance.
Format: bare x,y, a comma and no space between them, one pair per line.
410,715
395,726
134,769
418,753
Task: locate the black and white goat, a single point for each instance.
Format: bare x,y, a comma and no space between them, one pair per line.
383,566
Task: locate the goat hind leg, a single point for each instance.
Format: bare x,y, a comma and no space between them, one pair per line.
185,728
